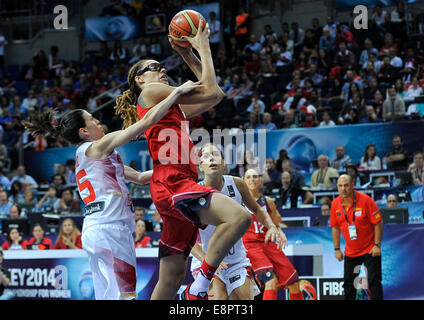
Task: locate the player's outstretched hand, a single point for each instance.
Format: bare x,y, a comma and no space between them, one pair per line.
201,40
276,235
188,87
180,50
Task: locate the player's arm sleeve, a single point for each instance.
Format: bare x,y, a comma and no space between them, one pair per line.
373,212
333,217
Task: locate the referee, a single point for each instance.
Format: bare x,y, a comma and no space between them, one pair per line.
357,217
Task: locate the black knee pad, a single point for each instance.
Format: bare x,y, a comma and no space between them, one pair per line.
264,276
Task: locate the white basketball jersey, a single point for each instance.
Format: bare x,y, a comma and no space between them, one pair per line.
237,253
101,185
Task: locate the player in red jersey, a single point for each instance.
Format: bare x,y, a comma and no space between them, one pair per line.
273,269
183,204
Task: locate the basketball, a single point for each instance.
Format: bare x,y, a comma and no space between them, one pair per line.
184,23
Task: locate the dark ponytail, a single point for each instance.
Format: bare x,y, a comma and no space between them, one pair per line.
126,104
47,123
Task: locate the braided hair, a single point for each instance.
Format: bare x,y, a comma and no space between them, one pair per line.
126,104
47,123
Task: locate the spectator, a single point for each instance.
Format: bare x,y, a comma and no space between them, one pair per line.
418,194
49,202
59,183
370,115
325,212
378,103
271,176
386,73
256,100
30,101
254,45
139,213
119,53
4,157
293,191
241,28
282,155
393,106
297,178
326,42
368,48
54,62
28,203
16,193
4,204
17,108
326,120
67,203
392,201
331,25
290,120
25,179
395,61
289,43
362,238
70,172
267,123
344,57
370,160
321,178
397,159
414,90
357,177
141,240
69,236
265,36
4,278
297,34
157,222
416,168
378,15
310,43
13,241
342,159
215,33
14,212
38,241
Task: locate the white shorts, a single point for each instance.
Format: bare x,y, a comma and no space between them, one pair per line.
111,253
233,277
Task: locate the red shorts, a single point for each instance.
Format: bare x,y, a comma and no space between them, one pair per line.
177,197
266,257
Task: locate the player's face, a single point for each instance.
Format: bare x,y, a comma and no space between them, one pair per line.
211,161
92,125
252,179
153,71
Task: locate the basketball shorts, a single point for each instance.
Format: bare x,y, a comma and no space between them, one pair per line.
111,254
233,277
177,197
267,258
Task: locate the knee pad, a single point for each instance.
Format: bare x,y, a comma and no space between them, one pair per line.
264,276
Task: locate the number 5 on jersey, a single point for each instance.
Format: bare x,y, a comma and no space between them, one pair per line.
85,185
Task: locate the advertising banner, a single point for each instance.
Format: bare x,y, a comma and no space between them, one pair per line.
302,145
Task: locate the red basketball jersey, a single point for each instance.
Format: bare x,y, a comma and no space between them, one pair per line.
169,140
257,231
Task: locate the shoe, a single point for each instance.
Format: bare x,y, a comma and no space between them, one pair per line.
185,295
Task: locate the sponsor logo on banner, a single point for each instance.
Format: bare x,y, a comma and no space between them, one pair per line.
331,289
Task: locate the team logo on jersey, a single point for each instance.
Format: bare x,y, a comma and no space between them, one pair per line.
202,201
231,191
358,213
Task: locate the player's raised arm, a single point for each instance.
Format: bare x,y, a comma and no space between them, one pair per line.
104,146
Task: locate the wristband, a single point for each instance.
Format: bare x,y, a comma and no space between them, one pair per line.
377,245
336,249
